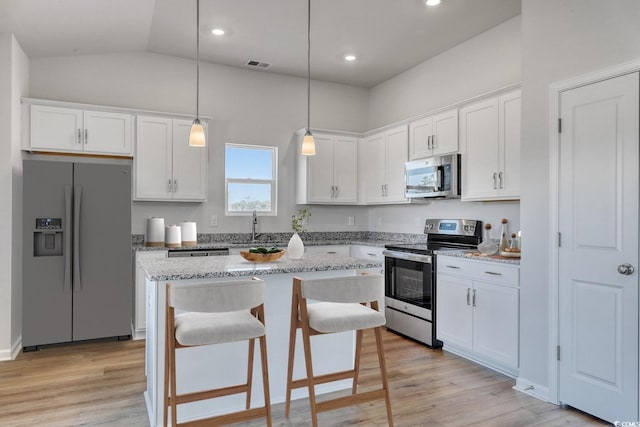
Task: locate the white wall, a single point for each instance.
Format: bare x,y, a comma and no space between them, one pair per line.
247,106
560,39
13,84
482,64
487,62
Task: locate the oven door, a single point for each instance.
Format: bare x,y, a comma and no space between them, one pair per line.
409,278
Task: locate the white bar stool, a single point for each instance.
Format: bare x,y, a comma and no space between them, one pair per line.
217,313
342,307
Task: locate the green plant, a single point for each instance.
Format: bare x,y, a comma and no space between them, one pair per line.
298,219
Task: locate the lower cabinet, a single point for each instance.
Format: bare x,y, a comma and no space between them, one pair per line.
477,311
140,301
328,249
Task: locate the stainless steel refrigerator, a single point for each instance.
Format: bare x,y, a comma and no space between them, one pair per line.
77,263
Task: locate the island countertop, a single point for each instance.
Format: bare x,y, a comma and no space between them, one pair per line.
159,269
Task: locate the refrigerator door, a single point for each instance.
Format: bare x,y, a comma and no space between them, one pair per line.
102,292
46,289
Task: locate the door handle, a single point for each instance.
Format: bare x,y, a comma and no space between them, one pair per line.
495,185
439,178
77,199
86,136
336,191
429,142
626,269
473,300
500,180
169,187
68,199
175,185
79,136
433,142
468,295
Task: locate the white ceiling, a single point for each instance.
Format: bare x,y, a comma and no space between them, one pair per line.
388,36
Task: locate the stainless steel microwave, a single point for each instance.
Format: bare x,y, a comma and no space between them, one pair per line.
437,176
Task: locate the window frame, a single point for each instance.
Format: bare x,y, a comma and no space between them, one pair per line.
273,182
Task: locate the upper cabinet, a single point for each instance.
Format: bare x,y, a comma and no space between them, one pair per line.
166,167
331,176
490,147
73,130
434,135
382,159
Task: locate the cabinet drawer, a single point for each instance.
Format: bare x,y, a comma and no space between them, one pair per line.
479,270
328,249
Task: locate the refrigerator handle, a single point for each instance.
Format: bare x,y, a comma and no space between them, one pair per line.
67,238
77,284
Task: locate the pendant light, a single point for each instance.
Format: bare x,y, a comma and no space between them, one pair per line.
308,145
196,137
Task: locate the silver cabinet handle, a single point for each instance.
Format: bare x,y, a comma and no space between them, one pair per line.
386,191
429,142
77,201
371,254
333,193
455,267
332,252
86,136
79,136
626,269
175,185
473,300
382,189
495,185
468,295
433,141
336,194
500,180
493,273
169,187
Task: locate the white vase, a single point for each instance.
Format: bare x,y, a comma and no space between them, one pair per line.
295,249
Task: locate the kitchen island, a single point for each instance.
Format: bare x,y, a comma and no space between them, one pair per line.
225,364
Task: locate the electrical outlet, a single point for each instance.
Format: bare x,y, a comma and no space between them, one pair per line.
213,221
379,220
351,220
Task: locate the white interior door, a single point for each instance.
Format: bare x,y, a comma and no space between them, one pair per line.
598,221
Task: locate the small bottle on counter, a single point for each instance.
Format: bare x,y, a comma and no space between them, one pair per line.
503,236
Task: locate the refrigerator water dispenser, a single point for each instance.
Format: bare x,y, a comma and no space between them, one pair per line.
48,237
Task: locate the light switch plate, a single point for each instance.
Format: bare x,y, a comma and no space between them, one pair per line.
351,220
213,221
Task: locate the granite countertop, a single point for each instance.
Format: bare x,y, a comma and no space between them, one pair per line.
213,245
235,266
477,256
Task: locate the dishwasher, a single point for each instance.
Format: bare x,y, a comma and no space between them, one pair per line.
173,253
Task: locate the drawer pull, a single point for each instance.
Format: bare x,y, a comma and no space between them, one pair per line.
455,267
332,252
493,273
371,254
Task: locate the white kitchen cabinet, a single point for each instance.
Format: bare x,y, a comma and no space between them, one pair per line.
140,301
434,135
75,130
328,249
382,157
331,176
166,167
490,146
477,311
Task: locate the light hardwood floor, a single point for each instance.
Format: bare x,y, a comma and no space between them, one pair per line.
101,384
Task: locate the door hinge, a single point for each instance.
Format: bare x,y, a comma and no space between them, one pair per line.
559,239
559,125
558,353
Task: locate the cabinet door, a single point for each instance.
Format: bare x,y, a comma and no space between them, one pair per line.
320,170
153,158
479,141
445,133
397,142
56,128
420,133
108,133
374,165
495,323
140,314
345,164
454,315
510,137
189,164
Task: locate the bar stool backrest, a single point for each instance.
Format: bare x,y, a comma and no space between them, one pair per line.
217,297
348,289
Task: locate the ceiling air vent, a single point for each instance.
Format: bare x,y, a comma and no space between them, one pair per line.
257,64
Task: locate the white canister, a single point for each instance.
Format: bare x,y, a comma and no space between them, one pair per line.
189,233
154,232
172,236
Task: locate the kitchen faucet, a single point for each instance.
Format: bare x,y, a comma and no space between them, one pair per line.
254,223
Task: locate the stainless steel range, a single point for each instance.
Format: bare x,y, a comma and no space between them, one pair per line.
410,276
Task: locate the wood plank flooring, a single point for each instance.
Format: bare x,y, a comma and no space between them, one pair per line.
101,384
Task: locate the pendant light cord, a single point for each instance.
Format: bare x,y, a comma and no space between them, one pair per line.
197,59
308,65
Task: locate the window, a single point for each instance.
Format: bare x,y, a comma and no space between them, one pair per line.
251,175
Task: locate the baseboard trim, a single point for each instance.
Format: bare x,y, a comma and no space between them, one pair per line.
11,354
532,389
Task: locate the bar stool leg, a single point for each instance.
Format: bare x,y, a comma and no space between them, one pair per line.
265,378
356,362
250,372
383,374
292,349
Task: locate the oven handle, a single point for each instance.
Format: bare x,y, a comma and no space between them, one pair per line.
426,259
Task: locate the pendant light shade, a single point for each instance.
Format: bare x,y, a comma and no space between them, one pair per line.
196,137
308,144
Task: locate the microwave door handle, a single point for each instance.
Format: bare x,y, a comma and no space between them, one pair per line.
439,178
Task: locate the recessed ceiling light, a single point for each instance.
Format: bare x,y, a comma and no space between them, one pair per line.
350,58
433,2
217,32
